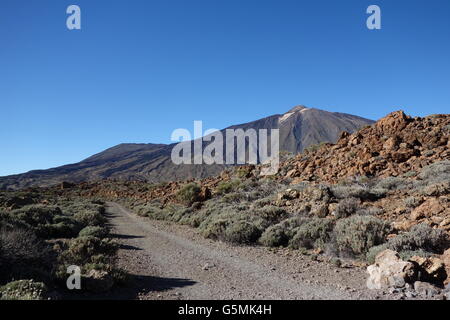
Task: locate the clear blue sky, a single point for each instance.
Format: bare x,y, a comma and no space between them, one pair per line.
139,69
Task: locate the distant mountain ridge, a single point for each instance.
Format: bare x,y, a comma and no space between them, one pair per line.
300,127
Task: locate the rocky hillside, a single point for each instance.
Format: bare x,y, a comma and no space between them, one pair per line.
299,128
378,197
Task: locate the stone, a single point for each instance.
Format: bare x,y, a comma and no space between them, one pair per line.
429,207
426,289
446,259
431,269
320,210
389,271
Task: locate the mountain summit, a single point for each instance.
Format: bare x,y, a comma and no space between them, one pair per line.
300,127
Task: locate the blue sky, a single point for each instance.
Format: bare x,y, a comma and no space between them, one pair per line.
139,69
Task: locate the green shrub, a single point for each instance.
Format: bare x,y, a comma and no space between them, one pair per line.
412,202
82,250
90,217
271,214
281,233
242,232
93,231
357,191
189,193
436,170
346,207
23,290
274,236
34,215
421,237
57,230
313,234
391,183
216,229
357,234
22,247
228,186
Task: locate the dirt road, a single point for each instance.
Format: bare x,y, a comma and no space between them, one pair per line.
170,261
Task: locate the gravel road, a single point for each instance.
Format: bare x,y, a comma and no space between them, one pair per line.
169,261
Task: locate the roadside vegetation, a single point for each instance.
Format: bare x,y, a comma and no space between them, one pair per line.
344,220
41,235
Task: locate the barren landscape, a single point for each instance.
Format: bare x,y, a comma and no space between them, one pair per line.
365,218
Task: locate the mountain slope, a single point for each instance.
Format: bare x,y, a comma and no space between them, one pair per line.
299,128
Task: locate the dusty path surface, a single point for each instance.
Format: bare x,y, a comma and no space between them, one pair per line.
170,261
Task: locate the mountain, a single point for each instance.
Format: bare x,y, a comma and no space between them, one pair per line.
300,127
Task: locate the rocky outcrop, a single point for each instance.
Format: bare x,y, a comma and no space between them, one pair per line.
446,259
394,145
430,269
426,289
390,271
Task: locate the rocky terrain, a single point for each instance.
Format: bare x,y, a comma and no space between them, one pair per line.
372,208
300,127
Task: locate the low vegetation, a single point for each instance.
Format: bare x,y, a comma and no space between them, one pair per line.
342,220
41,235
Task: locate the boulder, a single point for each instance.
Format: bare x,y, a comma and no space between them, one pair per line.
426,289
446,259
390,271
430,269
431,206
205,194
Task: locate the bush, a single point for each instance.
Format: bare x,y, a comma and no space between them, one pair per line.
189,193
34,215
228,186
24,256
313,234
216,229
357,234
23,290
412,202
421,237
436,170
274,236
271,214
57,230
357,191
93,231
347,207
83,250
242,232
90,217
391,183
22,247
